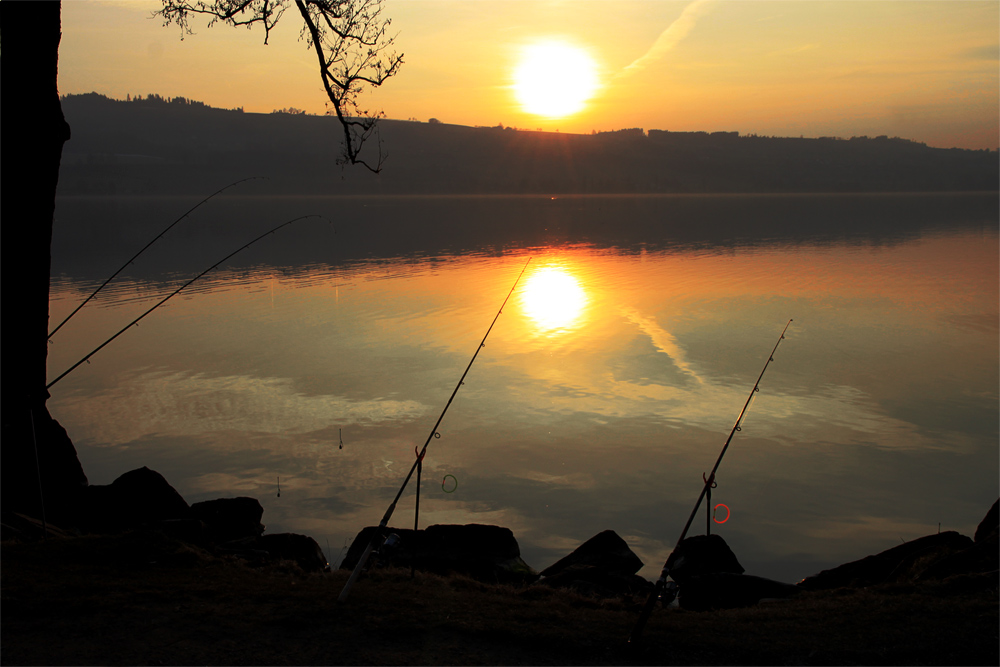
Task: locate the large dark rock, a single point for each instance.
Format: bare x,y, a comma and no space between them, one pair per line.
702,554
36,443
603,566
990,525
892,565
915,565
981,557
230,518
597,582
486,553
977,565
605,551
299,548
725,590
137,498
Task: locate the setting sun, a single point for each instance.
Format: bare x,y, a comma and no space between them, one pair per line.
554,79
553,298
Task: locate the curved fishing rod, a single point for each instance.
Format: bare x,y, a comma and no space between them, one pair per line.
172,294
661,583
420,457
145,247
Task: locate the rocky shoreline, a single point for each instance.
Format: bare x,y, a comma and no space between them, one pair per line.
145,578
143,499
704,572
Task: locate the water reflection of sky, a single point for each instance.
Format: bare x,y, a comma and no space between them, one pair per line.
605,390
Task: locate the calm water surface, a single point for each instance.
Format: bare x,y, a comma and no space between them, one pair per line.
605,390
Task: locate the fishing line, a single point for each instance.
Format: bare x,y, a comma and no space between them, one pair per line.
377,533
144,248
661,583
135,322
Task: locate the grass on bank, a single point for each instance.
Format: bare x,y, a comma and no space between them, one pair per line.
142,598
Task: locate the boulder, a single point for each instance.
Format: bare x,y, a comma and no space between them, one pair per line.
191,531
598,582
917,564
726,590
299,548
974,566
990,525
891,565
702,554
230,518
35,442
137,498
487,553
980,558
606,551
473,540
961,584
604,566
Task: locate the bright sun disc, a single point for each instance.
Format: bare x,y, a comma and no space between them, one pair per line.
553,298
554,79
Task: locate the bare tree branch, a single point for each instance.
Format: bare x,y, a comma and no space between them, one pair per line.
351,42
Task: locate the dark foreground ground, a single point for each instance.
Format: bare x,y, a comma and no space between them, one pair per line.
142,599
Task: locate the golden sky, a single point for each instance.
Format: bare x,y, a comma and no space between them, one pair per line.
927,70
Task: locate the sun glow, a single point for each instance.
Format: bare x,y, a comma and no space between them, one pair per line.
553,298
554,79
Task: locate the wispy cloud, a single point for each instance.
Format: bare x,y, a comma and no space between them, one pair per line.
669,38
988,52
663,340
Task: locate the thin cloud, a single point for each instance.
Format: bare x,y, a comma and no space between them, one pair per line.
663,340
669,38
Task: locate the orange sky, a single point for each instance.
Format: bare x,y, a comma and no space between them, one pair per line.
928,71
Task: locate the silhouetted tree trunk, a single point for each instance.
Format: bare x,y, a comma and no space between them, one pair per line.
35,131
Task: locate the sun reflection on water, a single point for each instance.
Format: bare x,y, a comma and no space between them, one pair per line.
554,299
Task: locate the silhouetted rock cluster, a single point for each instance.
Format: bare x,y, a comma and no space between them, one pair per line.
486,553
949,558
143,499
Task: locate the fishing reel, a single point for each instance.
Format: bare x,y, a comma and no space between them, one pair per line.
668,594
382,554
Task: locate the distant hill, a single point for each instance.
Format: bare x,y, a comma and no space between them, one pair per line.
177,146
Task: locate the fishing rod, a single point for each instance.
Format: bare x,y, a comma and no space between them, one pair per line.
135,322
420,457
145,247
661,583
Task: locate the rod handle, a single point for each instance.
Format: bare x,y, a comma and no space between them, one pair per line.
647,611
357,571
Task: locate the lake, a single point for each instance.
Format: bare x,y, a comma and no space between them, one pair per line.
317,360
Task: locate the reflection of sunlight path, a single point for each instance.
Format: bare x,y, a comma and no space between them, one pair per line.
663,341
